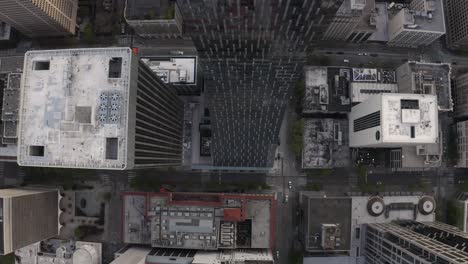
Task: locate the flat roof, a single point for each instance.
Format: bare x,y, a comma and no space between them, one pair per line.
326,89
198,221
74,108
174,70
397,121
429,78
326,143
133,255
146,9
327,210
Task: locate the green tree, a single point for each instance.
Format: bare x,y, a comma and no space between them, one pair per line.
79,232
170,12
296,140
7,259
88,34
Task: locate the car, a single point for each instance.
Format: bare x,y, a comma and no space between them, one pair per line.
286,198
277,254
340,52
329,52
290,184
366,54
360,54
374,55
346,61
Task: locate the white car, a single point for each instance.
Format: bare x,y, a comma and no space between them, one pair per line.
277,254
290,184
286,198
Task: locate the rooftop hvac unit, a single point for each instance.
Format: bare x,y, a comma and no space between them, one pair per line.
426,205
375,206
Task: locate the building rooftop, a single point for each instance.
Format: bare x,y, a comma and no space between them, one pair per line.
326,89
148,9
326,143
348,213
174,70
427,78
9,64
60,252
400,112
429,18
74,108
199,220
131,254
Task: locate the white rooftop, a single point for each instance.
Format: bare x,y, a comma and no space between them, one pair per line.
74,108
174,70
397,122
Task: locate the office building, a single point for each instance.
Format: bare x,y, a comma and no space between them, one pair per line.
351,21
409,241
10,82
27,216
462,144
40,18
461,95
96,109
61,252
155,19
461,205
394,120
251,54
457,23
427,78
205,221
336,225
419,25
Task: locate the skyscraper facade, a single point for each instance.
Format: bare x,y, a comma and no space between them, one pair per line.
457,23
251,54
39,18
27,216
415,242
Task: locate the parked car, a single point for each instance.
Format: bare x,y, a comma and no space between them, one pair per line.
286,198
290,184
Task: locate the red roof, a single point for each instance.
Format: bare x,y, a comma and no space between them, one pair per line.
232,214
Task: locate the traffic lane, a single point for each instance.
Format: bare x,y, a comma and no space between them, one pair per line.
285,226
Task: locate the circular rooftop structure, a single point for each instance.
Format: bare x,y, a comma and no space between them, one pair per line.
85,255
375,206
426,205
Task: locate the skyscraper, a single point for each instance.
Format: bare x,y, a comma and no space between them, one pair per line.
415,242
39,18
457,23
27,216
461,95
251,54
97,109
420,25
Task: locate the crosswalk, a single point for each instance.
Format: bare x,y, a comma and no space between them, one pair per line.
105,179
131,175
451,178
